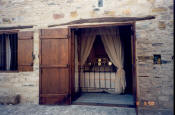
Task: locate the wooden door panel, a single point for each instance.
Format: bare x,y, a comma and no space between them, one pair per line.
54,52
54,33
25,35
55,81
54,99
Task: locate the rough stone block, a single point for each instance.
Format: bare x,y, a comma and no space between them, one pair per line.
10,99
58,16
2,2
143,58
151,1
109,13
160,9
161,25
127,12
163,98
93,14
74,14
6,20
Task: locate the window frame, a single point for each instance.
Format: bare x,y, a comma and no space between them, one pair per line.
9,32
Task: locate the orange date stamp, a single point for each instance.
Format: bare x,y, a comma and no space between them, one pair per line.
146,103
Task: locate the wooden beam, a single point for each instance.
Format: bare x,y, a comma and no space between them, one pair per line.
8,31
90,20
101,25
105,19
16,27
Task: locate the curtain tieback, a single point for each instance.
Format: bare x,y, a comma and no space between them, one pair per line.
120,73
120,81
120,70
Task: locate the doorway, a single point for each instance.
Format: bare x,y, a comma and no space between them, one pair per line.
60,79
93,83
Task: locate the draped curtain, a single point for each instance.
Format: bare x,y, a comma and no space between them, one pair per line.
112,44
87,40
8,53
76,65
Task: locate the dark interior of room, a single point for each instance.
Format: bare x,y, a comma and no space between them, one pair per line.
125,34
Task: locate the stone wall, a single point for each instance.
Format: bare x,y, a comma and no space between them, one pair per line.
45,12
155,81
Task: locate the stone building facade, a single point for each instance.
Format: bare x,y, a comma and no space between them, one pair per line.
153,37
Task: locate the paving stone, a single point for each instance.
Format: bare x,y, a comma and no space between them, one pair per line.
31,109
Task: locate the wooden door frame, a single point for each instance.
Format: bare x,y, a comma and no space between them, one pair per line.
133,46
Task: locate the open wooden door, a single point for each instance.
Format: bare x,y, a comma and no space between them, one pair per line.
54,66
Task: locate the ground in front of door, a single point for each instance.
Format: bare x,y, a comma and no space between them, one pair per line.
29,109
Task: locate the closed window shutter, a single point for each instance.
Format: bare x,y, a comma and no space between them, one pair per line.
25,51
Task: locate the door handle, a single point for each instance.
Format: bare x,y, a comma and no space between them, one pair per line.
67,65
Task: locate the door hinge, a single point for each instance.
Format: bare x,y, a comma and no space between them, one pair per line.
68,36
33,56
132,30
41,71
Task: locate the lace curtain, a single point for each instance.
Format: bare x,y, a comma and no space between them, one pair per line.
112,44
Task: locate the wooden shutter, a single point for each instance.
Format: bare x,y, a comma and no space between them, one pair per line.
54,67
25,51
